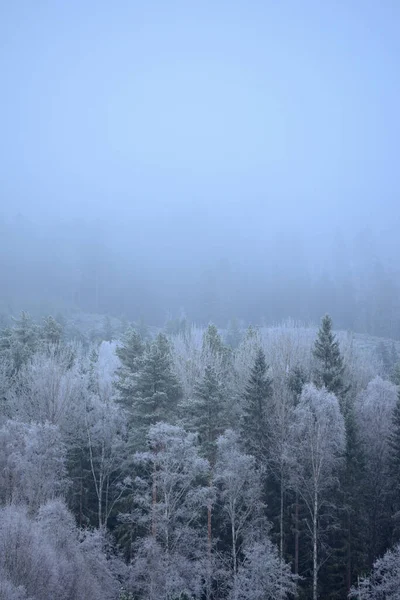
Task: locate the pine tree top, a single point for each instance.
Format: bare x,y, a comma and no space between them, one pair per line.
329,372
326,346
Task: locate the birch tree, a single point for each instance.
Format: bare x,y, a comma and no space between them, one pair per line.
318,438
171,498
239,484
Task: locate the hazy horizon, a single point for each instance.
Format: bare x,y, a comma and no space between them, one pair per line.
250,145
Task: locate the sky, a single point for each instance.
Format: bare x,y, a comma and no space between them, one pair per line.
228,107
177,143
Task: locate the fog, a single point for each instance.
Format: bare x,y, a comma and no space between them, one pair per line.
225,160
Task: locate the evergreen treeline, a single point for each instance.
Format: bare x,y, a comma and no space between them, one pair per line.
260,465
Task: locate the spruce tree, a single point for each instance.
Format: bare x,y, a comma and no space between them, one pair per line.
130,353
330,366
347,547
205,412
256,409
155,387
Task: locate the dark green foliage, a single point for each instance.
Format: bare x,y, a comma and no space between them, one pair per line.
349,536
130,353
155,388
330,367
206,412
296,380
256,408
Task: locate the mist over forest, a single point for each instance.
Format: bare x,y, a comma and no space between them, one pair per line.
218,161
209,267
199,300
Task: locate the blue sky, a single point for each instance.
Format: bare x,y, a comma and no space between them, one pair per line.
258,111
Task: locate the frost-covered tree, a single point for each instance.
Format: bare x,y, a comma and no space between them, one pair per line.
239,485
51,331
130,352
171,498
243,361
262,576
48,557
318,443
106,443
46,388
19,342
32,463
98,447
384,581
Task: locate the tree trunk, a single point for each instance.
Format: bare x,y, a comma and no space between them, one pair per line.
99,506
296,535
154,502
209,544
234,558
315,550
349,565
281,537
234,550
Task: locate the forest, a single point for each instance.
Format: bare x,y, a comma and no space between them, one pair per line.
192,463
200,300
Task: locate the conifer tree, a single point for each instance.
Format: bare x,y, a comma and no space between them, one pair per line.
131,349
330,366
130,353
257,399
205,412
155,388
